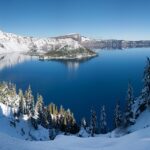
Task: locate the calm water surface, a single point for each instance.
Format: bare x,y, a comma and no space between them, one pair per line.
80,85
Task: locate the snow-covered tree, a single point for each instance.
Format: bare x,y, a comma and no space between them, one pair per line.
49,119
103,122
42,118
129,114
93,123
29,101
67,122
118,116
22,104
83,129
39,104
34,122
53,109
41,111
61,110
146,90
83,123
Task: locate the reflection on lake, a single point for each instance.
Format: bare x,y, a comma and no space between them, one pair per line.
11,59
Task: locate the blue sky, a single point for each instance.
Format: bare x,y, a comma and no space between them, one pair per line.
119,19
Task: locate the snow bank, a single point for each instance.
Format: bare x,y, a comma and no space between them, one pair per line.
23,129
143,121
139,140
15,138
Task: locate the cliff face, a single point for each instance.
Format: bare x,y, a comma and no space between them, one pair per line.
114,44
108,44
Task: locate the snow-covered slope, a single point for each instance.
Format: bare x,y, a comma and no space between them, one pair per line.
143,121
16,138
139,140
13,43
23,129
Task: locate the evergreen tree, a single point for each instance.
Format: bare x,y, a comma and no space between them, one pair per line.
32,108
21,102
146,90
83,131
29,101
49,118
53,108
43,118
118,116
103,122
61,111
93,123
14,90
42,112
83,123
67,123
34,122
39,104
129,114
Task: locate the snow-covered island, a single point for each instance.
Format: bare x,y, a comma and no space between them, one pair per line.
26,123
63,47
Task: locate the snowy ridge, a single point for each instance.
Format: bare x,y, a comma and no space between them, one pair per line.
13,43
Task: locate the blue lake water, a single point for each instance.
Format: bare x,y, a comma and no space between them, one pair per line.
80,85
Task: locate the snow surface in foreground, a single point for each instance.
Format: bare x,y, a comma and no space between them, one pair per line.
139,140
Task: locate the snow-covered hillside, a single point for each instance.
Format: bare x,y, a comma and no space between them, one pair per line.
22,135
13,43
23,129
11,139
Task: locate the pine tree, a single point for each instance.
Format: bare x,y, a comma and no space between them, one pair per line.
146,90
83,129
39,104
117,116
83,123
14,90
42,112
52,108
61,111
29,101
103,122
43,118
21,102
34,122
32,107
67,122
49,118
93,123
129,114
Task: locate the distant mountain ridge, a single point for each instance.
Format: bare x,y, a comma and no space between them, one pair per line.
70,46
62,47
